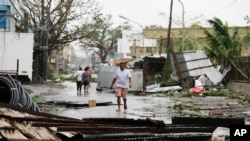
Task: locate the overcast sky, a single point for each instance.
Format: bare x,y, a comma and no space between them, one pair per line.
156,12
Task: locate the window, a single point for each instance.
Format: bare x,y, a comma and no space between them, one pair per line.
4,17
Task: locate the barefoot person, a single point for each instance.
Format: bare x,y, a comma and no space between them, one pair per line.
123,82
79,81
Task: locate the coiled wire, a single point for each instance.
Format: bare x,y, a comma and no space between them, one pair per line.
15,94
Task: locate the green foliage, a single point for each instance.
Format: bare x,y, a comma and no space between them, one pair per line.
62,72
72,78
215,92
178,107
246,100
54,76
51,76
185,93
220,42
35,98
93,79
188,44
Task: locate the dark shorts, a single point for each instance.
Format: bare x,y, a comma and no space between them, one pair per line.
86,83
79,84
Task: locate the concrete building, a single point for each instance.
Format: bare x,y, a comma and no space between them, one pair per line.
135,44
191,34
61,59
7,24
155,41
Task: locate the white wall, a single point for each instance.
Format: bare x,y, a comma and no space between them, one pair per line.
15,46
128,37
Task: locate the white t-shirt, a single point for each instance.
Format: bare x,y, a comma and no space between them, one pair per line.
122,78
79,75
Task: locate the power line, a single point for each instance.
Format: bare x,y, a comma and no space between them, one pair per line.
222,9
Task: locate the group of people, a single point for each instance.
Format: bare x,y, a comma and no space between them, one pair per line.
122,79
83,78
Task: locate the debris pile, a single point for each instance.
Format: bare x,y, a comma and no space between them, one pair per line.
20,124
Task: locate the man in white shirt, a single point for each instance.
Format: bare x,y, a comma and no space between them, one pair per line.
123,82
79,80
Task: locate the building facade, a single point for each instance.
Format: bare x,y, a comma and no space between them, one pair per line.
135,44
7,11
16,48
196,35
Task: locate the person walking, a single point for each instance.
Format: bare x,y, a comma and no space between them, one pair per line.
79,80
90,74
123,82
86,80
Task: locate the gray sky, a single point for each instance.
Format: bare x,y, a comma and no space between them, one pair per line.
156,12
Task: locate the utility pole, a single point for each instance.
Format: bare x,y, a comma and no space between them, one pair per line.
183,26
169,26
43,43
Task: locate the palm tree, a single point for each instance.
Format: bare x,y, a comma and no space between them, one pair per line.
220,42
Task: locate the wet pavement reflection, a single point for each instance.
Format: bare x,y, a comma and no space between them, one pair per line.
155,106
139,107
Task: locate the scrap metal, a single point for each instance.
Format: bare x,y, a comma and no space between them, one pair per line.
20,124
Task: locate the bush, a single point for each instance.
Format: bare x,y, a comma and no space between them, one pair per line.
51,76
72,78
215,92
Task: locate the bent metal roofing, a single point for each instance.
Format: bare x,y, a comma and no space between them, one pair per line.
196,63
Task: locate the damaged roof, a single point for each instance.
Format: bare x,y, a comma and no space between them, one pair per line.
196,63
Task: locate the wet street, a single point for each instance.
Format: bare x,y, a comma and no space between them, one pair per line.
139,107
155,106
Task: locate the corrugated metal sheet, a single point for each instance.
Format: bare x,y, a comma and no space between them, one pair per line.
240,69
140,77
196,63
106,74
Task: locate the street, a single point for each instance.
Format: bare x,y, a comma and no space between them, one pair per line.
154,106
138,106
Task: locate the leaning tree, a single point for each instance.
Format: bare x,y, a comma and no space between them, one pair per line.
221,43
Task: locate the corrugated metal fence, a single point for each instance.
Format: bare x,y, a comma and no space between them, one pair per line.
106,74
241,69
